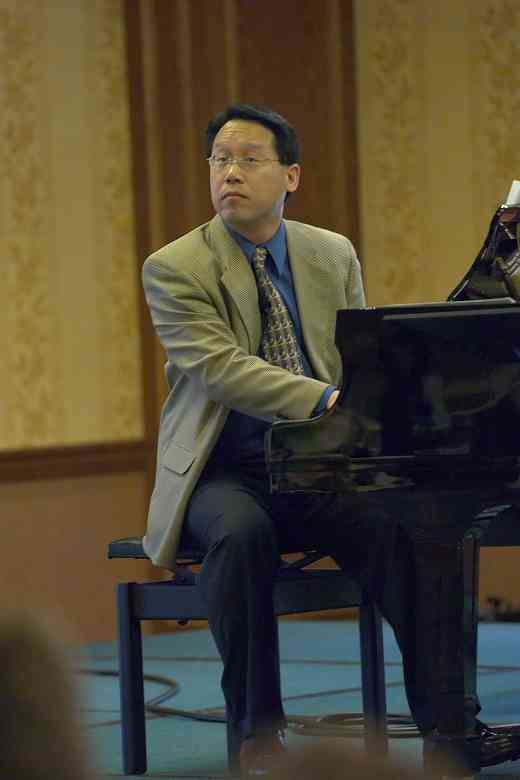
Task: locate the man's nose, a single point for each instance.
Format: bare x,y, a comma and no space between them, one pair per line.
233,172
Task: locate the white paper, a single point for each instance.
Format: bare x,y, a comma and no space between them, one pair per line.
513,199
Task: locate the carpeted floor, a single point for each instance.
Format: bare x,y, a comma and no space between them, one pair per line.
321,675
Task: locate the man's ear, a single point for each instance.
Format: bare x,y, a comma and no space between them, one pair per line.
293,177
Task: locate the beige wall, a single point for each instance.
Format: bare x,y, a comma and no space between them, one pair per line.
70,371
55,534
438,117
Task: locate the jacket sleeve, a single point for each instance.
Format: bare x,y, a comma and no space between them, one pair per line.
200,343
355,290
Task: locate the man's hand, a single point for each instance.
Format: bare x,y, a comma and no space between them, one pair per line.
332,399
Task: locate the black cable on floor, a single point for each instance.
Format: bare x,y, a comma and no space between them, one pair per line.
336,725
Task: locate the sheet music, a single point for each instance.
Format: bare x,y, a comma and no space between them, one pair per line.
513,198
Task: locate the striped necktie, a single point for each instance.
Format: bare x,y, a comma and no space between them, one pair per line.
278,345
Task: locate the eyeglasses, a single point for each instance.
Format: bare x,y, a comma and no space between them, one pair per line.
246,163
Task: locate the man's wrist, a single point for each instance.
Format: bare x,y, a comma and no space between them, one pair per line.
327,400
333,397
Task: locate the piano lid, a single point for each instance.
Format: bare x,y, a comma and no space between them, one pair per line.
437,379
495,272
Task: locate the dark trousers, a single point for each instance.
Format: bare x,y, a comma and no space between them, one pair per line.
243,529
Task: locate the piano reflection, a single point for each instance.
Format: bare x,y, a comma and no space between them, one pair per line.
429,407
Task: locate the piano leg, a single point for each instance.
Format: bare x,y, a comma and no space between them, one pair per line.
447,557
447,642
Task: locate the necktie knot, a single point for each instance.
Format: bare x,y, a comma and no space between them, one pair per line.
262,277
259,258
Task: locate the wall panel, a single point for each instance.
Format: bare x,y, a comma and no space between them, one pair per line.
55,534
70,372
437,114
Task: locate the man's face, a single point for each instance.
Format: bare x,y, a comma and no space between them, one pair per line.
250,200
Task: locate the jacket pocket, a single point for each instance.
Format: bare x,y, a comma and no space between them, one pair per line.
177,458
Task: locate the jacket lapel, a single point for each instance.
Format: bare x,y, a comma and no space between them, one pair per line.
314,289
317,304
239,281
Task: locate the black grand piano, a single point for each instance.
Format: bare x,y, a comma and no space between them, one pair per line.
430,408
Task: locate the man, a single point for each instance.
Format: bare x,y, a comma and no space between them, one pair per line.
245,307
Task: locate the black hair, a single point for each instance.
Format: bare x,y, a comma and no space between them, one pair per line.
286,142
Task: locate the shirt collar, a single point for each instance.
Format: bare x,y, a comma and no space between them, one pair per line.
276,246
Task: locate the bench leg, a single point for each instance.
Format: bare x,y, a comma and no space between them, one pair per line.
373,675
131,684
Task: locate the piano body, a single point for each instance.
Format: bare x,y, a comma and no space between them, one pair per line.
429,408
431,396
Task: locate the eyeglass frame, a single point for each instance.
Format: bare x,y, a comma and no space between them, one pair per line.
246,163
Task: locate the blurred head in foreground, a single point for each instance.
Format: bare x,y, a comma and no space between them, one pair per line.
40,734
335,759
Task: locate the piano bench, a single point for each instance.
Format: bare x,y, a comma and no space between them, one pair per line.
297,590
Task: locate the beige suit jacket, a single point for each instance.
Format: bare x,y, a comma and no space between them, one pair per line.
203,300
